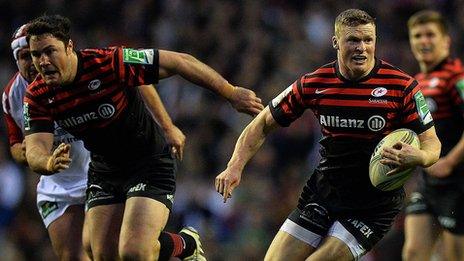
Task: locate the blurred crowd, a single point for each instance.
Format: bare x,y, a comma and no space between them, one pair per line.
261,45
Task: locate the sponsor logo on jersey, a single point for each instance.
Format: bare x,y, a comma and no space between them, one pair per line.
276,101
363,228
138,187
422,108
104,111
47,208
447,222
27,116
434,82
319,91
144,56
379,92
94,84
170,197
374,123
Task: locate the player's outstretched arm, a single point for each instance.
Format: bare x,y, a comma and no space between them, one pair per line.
40,157
174,136
405,156
193,70
246,147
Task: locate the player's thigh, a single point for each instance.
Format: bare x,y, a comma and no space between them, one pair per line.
66,232
287,247
144,219
453,246
104,224
86,239
332,249
423,225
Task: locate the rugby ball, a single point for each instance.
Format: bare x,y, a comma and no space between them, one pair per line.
378,170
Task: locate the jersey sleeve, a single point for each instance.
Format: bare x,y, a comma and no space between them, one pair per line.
416,113
15,135
137,66
288,105
37,117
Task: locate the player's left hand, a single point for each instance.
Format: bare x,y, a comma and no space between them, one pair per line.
441,169
246,101
176,139
402,156
226,182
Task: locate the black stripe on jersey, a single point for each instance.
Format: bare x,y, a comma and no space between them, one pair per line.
391,76
78,95
410,88
349,97
360,86
94,66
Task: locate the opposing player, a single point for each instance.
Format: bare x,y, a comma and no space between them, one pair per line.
358,99
60,198
437,208
91,93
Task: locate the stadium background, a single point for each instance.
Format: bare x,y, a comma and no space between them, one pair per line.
261,45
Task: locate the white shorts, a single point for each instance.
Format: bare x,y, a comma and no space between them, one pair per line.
337,230
53,199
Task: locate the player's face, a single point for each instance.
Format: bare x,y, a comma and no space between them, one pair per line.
52,58
428,44
355,50
25,65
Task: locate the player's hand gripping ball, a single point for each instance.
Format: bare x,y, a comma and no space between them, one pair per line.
378,171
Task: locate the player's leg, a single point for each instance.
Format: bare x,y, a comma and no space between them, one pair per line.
104,222
86,240
453,246
419,247
66,232
332,249
300,234
150,193
285,246
144,219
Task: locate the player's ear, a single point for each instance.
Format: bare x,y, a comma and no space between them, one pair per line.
69,47
334,42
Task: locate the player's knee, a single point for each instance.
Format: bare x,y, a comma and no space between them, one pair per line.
104,254
69,255
410,253
131,251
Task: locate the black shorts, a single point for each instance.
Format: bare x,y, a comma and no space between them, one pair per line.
319,209
152,177
444,202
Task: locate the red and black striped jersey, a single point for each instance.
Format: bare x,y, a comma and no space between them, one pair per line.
101,106
354,115
443,88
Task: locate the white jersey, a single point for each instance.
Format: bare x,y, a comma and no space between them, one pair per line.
67,185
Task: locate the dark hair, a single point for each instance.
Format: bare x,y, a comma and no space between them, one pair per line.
352,17
428,16
56,25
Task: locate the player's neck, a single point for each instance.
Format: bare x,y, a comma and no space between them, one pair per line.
427,67
73,67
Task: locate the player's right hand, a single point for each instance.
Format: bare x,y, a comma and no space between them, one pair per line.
226,182
176,139
246,101
60,159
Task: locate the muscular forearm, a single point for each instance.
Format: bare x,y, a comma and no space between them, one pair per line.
18,154
156,107
38,160
251,140
196,72
431,151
